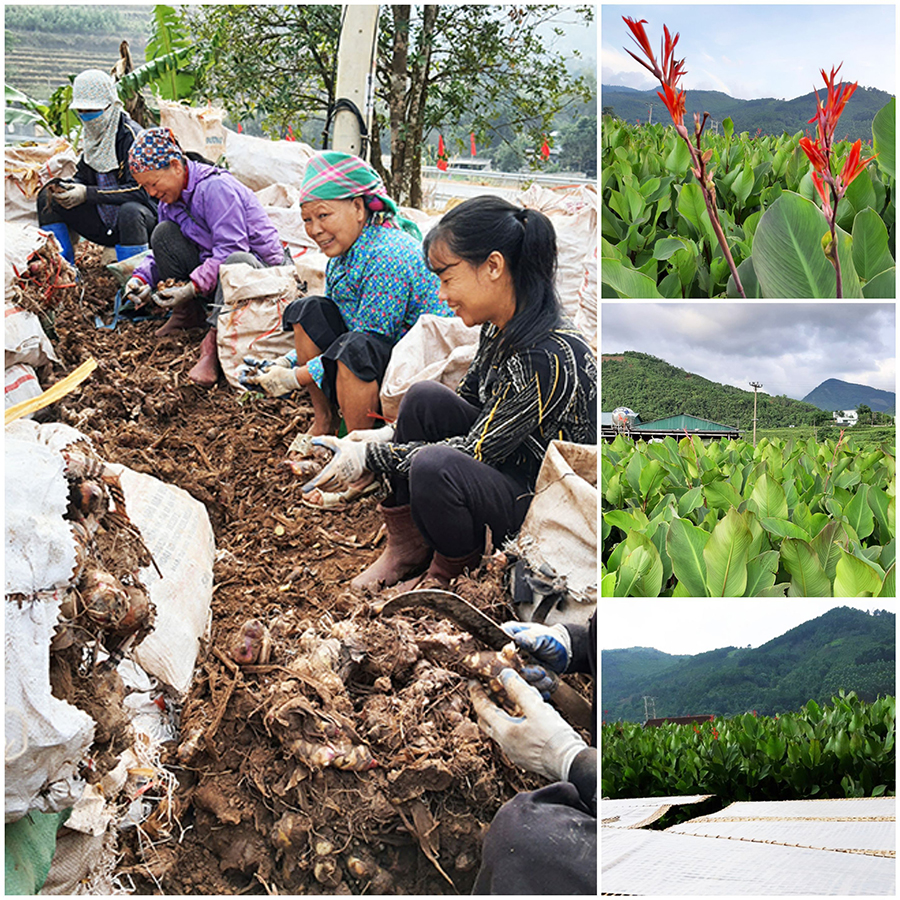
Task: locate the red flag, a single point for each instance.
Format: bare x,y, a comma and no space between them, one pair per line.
442,162
545,150
473,144
240,128
290,134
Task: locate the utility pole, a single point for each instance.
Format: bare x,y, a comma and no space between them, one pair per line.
756,386
650,115
355,79
649,707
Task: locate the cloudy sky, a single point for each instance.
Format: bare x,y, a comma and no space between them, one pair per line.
790,347
689,626
757,51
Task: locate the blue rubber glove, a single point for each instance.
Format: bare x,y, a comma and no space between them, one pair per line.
548,644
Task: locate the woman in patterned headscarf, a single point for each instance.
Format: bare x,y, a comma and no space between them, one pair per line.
207,218
376,284
102,202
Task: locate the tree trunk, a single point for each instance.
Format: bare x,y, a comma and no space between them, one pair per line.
418,96
397,103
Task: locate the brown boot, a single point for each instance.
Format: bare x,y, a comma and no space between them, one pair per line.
206,369
405,552
445,568
188,315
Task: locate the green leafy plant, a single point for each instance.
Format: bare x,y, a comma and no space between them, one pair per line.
843,750
727,519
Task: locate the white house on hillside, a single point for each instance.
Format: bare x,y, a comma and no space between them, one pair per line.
845,417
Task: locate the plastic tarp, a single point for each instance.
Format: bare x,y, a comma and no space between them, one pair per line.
854,825
661,863
638,812
842,847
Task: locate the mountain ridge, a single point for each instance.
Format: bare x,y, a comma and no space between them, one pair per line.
834,394
843,649
655,388
771,115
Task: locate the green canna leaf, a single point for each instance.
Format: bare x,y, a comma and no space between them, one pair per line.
808,578
855,578
685,544
725,555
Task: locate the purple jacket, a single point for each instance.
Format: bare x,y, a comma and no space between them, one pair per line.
221,216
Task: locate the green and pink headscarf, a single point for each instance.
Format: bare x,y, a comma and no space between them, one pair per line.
331,175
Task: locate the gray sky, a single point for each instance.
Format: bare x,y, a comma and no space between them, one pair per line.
790,347
757,51
694,626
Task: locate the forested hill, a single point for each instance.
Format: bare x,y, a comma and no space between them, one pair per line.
655,389
844,649
836,394
768,114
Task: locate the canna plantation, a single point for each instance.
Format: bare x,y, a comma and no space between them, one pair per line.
687,213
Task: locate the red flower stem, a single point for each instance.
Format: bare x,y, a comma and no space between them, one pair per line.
709,197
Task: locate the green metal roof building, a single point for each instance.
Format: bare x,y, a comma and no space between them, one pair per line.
677,425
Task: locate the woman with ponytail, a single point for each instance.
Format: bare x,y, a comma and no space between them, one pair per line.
459,463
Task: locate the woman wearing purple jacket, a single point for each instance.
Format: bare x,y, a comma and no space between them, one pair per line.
207,218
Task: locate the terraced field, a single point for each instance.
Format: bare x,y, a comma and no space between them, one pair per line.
38,62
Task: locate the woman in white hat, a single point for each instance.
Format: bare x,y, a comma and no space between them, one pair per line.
102,202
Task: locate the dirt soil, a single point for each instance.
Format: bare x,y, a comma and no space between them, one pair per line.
349,761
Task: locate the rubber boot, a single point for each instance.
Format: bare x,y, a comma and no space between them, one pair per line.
444,569
187,315
126,251
61,232
206,369
405,552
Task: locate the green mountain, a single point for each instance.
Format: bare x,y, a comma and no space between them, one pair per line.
769,115
655,389
835,394
844,649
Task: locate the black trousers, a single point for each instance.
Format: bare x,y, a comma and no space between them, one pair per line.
452,496
176,256
364,353
540,842
133,226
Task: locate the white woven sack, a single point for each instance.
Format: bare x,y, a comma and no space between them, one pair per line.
27,170
436,348
258,162
560,529
198,129
21,384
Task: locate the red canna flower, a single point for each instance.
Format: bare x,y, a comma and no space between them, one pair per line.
671,71
815,153
853,165
836,99
820,187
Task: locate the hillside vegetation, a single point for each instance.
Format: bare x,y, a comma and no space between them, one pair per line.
654,389
844,649
769,115
47,44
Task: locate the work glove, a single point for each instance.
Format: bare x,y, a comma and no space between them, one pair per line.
550,645
275,380
137,291
346,467
539,740
73,194
176,295
382,435
254,362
